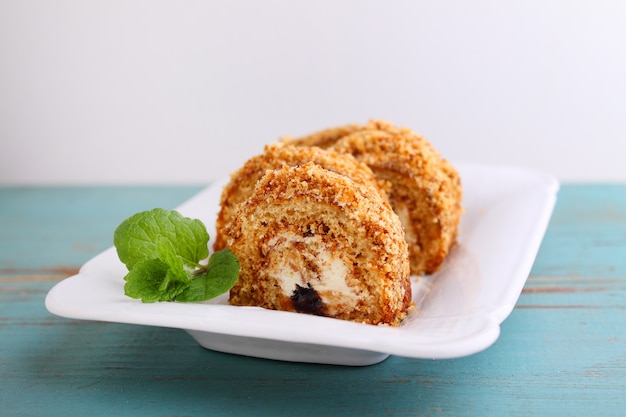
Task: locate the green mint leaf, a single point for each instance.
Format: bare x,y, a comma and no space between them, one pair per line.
167,253
142,237
220,275
163,250
153,280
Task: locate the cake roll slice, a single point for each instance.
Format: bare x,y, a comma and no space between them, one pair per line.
313,241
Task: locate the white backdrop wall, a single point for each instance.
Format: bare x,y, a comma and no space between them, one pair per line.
154,91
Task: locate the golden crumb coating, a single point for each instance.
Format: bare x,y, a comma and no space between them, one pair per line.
425,188
314,241
275,155
324,138
328,137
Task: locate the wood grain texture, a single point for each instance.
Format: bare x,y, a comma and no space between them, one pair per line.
561,352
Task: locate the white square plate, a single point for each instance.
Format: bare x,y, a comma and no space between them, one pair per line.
459,312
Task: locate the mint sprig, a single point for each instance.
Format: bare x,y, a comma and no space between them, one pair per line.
165,254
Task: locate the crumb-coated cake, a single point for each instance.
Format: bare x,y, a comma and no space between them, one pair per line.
314,241
275,155
425,188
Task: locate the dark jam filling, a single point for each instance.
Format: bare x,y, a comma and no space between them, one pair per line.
306,300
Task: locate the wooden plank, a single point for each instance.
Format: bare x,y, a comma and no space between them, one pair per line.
542,363
63,227
561,352
587,233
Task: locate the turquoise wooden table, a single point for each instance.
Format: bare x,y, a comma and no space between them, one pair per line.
561,352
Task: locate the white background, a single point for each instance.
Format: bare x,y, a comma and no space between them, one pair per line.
155,92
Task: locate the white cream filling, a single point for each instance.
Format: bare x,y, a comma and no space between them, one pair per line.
328,278
405,219
333,274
